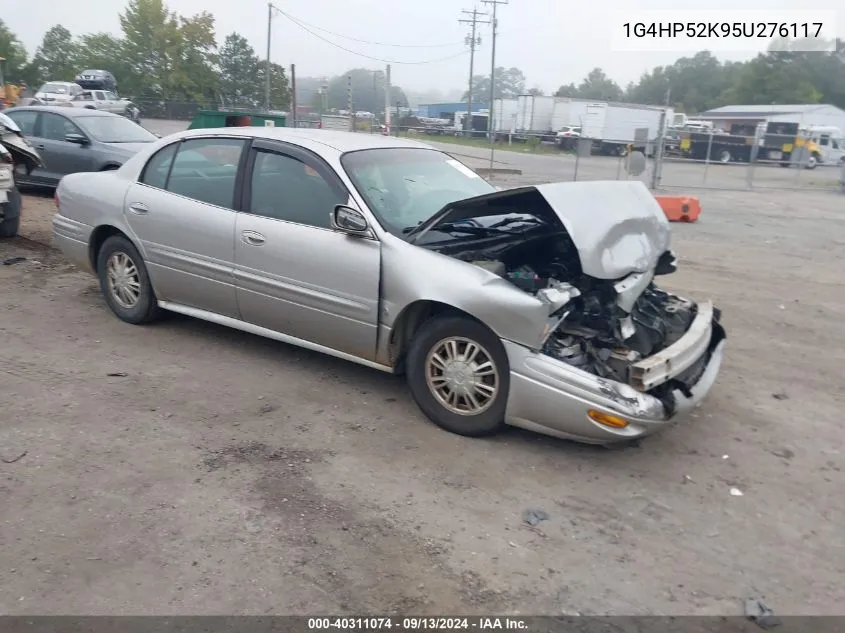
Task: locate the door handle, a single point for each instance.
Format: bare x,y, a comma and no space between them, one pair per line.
39,147
138,208
252,238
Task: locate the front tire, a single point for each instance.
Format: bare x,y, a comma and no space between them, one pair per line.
125,283
11,222
458,373
812,161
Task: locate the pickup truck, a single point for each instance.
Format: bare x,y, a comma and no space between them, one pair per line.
107,101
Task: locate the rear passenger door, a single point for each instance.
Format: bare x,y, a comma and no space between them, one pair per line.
293,273
182,213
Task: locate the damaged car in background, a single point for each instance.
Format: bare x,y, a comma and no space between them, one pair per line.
17,156
536,307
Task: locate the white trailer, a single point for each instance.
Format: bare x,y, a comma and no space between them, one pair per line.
505,115
612,126
534,114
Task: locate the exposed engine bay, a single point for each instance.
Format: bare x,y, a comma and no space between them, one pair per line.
601,326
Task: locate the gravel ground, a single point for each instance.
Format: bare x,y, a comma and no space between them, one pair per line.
183,468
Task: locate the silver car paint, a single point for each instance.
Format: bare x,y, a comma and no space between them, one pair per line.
618,227
545,394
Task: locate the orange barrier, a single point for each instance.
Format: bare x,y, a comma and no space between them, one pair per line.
680,208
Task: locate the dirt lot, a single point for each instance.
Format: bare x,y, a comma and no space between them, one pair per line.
216,472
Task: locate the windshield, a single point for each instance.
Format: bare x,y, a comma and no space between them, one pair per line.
114,129
406,186
56,89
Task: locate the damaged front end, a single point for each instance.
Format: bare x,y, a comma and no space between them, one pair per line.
25,158
590,253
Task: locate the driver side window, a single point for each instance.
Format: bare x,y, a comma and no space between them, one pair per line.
55,127
287,189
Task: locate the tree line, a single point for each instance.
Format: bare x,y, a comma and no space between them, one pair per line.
702,82
161,56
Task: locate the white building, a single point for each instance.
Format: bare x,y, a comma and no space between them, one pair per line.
815,114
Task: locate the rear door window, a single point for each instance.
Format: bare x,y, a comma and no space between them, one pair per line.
206,169
25,120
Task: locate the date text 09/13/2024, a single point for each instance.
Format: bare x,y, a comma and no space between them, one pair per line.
416,623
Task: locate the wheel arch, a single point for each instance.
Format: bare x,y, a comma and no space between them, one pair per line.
410,320
98,237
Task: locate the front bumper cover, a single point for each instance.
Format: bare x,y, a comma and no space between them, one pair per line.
553,398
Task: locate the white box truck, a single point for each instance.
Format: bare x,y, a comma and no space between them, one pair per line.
612,126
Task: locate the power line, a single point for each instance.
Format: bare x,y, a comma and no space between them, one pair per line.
378,59
374,43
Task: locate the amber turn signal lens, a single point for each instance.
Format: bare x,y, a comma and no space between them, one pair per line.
606,419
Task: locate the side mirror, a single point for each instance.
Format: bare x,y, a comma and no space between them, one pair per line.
350,221
78,139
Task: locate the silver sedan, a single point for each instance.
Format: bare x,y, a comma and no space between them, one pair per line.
534,306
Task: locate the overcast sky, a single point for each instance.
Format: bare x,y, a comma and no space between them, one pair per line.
552,41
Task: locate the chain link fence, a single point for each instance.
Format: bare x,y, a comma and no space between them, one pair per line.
676,159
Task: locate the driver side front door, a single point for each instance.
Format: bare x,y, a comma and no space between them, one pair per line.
293,273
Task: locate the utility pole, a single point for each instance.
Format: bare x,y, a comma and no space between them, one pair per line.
267,69
473,41
494,23
293,92
349,103
387,100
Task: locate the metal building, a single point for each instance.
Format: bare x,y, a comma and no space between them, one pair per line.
814,114
447,110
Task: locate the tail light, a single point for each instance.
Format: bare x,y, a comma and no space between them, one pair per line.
6,157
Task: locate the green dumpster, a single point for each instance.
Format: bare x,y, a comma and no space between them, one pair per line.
224,118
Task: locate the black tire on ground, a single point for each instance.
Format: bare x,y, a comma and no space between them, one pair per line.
11,221
145,309
725,156
419,368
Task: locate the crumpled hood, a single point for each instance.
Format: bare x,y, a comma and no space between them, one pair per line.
617,225
20,148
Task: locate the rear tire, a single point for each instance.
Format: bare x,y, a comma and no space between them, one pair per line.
458,373
125,283
724,157
9,226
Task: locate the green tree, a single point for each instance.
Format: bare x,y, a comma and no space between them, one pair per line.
367,91
104,51
14,53
510,82
151,33
536,92
772,79
56,59
239,72
195,73
597,85
279,86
